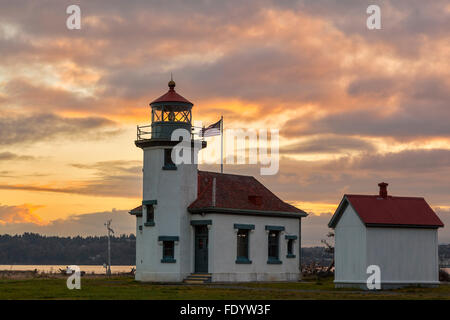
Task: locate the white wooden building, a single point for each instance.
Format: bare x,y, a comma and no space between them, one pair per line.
204,226
398,234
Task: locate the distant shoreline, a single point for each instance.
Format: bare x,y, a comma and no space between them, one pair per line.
55,269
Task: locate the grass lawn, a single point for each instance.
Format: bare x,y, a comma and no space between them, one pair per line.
126,288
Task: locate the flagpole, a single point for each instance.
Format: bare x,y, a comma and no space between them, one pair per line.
221,144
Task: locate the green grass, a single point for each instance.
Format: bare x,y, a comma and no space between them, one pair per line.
127,288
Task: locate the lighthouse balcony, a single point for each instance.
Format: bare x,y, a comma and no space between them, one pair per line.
161,131
157,134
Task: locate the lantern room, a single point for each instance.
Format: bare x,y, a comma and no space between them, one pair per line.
171,111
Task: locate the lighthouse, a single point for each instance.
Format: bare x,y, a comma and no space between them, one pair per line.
198,226
163,228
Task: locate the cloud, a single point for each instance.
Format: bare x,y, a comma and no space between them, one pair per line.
112,166
111,179
278,56
88,224
19,214
29,94
431,121
378,87
406,24
409,173
5,173
328,144
5,156
417,160
43,127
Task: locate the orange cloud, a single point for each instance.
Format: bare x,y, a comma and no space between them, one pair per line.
24,213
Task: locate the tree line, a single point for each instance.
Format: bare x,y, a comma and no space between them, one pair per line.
33,248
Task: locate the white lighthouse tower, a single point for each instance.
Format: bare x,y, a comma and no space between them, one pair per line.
163,232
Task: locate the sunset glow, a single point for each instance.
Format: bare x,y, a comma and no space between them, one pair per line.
354,106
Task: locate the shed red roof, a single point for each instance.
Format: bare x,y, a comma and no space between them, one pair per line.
237,192
389,211
171,96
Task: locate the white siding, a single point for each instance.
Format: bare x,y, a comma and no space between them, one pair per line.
350,248
139,243
404,255
174,190
223,249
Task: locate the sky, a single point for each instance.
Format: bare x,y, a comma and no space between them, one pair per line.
354,106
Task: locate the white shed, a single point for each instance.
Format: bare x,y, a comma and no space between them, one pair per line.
397,234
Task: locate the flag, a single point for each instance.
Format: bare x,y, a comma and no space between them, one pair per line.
212,130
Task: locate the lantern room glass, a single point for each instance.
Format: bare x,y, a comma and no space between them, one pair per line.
171,114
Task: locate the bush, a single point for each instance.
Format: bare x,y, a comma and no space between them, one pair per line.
444,276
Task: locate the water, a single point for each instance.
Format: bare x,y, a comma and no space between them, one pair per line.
87,269
55,268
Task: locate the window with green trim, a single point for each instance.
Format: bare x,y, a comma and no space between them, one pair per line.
168,162
168,251
242,245
150,215
274,236
290,247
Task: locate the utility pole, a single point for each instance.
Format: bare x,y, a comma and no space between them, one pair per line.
110,231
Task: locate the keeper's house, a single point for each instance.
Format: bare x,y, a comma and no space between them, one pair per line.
204,226
398,234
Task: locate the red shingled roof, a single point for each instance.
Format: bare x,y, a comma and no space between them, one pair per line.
389,211
238,192
136,211
171,96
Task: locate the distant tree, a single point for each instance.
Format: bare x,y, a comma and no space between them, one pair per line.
329,248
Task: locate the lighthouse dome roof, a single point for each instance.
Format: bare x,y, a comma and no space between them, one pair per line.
171,96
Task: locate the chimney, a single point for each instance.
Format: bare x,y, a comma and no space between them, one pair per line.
383,189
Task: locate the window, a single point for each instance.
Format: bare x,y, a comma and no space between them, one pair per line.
150,215
242,241
168,163
161,114
290,247
168,251
168,248
273,242
242,246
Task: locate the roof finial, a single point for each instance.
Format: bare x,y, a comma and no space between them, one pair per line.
171,82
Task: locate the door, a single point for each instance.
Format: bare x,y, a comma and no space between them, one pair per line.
201,249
